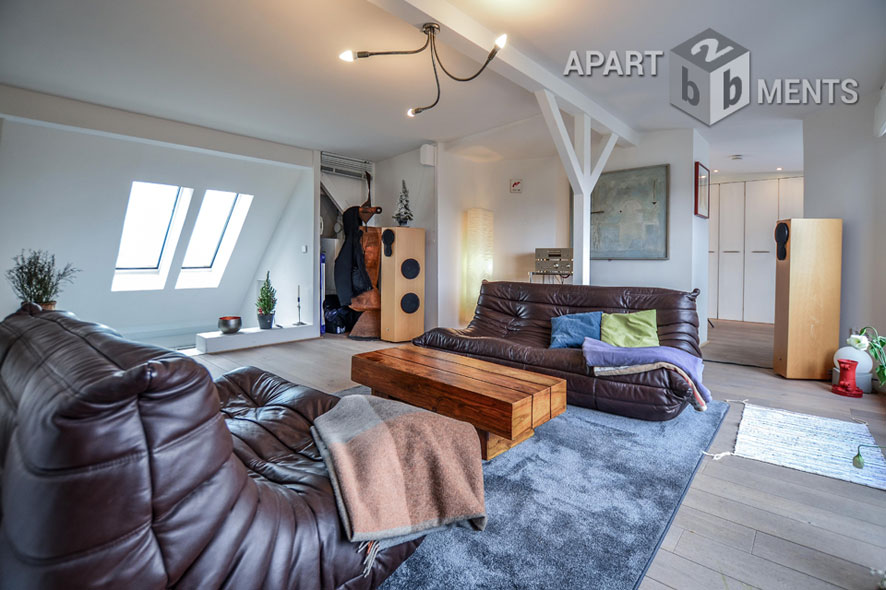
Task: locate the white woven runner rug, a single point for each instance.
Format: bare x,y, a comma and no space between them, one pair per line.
824,446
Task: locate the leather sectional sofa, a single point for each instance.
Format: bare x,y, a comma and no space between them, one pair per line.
125,466
512,326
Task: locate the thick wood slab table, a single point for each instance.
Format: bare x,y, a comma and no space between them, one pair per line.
504,404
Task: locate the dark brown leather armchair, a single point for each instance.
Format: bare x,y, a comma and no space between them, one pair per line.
512,326
119,470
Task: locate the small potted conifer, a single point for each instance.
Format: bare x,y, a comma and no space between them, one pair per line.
266,304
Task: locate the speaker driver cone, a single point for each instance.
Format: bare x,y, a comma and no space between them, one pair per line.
410,303
410,268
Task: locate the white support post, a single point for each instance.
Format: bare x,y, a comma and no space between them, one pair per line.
581,206
582,175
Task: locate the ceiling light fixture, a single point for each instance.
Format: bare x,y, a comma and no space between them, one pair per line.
778,169
431,30
716,170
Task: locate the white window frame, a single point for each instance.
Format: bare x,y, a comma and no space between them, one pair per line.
154,279
210,277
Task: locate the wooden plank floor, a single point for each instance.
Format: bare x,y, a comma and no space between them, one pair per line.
743,524
742,343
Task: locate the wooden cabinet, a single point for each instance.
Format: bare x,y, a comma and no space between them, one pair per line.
741,249
730,285
761,215
714,252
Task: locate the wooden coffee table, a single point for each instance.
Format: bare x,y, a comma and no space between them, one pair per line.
504,404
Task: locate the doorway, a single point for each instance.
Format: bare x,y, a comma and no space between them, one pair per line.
741,266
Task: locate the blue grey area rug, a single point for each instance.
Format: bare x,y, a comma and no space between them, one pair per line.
824,446
583,504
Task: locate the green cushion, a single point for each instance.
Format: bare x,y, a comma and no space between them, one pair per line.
630,330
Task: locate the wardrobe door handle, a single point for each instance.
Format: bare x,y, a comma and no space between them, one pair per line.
759,251
731,251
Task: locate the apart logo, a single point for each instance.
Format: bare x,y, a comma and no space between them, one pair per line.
710,77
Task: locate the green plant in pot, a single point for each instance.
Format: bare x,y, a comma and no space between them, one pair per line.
35,278
868,339
266,304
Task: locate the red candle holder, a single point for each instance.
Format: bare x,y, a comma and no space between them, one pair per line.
847,385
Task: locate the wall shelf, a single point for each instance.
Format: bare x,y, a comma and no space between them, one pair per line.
251,337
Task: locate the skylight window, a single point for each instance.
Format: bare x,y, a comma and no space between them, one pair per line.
213,239
146,225
212,222
152,225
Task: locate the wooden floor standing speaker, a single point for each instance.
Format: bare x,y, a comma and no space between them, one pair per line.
402,283
809,255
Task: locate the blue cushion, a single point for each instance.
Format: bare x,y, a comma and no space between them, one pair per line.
570,331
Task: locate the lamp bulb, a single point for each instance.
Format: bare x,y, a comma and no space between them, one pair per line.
346,55
501,41
410,113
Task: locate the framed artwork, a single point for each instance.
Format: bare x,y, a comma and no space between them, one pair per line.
702,191
629,214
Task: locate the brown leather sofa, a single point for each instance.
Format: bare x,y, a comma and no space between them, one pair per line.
512,326
125,466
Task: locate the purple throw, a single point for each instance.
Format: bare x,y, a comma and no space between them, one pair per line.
600,354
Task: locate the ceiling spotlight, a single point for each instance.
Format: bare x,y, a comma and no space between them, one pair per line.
715,170
430,30
779,168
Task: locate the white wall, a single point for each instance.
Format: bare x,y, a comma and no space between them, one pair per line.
536,218
290,257
421,183
66,191
845,176
686,267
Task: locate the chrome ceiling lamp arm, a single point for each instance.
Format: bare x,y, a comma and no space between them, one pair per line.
415,111
349,55
495,49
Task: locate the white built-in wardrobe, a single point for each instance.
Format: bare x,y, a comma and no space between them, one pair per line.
741,255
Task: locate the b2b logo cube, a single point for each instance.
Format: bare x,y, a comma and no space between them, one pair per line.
710,76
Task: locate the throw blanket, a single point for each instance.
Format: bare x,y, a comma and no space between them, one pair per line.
399,472
614,360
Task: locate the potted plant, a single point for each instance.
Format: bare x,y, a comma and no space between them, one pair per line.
870,340
403,214
266,304
35,278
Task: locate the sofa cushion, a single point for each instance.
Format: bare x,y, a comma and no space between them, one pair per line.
570,330
629,330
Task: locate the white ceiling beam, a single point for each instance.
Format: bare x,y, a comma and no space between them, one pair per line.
575,172
472,38
608,145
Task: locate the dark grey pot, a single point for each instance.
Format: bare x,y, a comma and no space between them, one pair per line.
265,321
229,324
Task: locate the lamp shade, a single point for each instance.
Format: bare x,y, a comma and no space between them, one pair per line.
477,257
